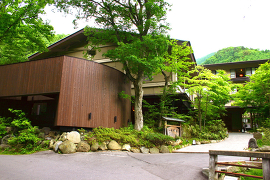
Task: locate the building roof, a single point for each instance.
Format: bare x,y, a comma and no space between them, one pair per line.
73,41
61,47
236,63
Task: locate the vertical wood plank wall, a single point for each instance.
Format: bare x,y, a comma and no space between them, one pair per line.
33,77
84,87
89,87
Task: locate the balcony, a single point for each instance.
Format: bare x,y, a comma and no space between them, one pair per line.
240,79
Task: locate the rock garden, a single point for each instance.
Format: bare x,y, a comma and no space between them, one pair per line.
18,136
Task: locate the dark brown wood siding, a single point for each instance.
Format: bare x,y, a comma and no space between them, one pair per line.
33,77
88,87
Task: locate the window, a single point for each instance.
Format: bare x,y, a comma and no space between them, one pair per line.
242,72
233,73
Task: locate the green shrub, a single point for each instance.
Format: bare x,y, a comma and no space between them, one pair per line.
158,139
25,138
265,141
214,130
4,122
2,130
127,135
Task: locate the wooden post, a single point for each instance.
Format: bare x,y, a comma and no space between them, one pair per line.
166,133
266,168
213,167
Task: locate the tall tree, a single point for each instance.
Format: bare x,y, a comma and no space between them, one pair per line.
177,63
211,92
256,94
136,27
22,31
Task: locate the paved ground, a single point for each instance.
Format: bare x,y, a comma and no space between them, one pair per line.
235,142
117,165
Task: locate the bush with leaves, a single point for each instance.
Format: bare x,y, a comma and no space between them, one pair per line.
25,139
214,130
128,135
265,141
4,122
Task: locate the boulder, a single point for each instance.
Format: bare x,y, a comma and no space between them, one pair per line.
94,146
57,136
56,146
103,146
67,147
83,146
205,142
252,143
113,145
126,147
264,149
52,141
154,150
44,144
144,150
63,137
213,141
164,149
74,137
41,135
205,172
135,150
52,134
176,143
46,130
198,143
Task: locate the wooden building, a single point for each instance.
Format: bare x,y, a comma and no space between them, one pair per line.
76,45
66,92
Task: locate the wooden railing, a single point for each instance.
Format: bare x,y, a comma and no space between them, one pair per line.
213,163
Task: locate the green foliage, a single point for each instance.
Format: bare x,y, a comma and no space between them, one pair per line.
265,141
4,122
123,95
211,93
158,139
22,31
235,54
25,139
201,60
55,38
136,27
214,130
256,93
128,135
255,172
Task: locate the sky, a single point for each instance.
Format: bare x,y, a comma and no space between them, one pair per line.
210,25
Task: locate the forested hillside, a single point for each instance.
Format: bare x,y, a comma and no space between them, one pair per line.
201,60
234,54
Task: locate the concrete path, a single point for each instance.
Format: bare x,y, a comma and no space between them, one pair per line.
235,142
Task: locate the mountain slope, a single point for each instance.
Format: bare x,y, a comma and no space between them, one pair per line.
235,54
201,60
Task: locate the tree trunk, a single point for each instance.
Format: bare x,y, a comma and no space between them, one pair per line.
138,103
205,111
200,112
163,98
